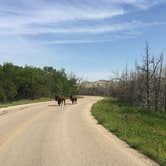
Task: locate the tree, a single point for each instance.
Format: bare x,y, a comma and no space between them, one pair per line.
30,82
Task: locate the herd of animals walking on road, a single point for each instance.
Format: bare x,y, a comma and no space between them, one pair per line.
62,100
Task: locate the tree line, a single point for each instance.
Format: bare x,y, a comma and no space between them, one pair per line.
29,82
145,85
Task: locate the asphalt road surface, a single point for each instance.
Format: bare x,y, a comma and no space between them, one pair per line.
44,134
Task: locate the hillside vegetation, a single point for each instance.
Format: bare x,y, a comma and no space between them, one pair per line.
145,85
141,129
31,83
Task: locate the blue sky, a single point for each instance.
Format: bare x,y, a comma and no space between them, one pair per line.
92,38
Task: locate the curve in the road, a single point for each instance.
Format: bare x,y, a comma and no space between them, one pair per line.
47,135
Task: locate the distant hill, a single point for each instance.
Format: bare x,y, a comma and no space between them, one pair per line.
99,83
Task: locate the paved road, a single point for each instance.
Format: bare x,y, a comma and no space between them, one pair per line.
47,135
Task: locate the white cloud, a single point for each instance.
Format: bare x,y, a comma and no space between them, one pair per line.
87,29
141,4
49,17
15,20
55,14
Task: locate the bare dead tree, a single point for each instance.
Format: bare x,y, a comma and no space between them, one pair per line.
145,85
157,71
145,72
147,77
164,89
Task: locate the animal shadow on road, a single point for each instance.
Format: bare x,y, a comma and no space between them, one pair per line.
56,105
53,105
68,104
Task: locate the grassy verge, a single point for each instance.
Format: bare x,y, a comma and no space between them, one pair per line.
142,130
24,101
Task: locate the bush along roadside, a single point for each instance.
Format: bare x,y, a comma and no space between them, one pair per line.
142,129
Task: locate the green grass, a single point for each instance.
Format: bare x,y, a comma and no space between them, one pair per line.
141,129
23,101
